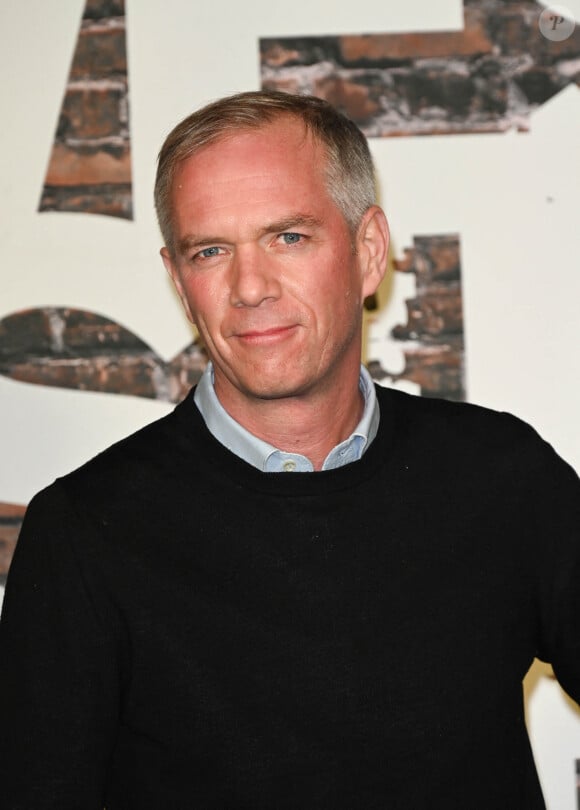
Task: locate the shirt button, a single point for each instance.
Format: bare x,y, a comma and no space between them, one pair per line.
289,465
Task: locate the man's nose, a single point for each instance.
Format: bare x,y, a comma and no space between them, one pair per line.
253,277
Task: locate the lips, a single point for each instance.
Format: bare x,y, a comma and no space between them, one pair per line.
267,335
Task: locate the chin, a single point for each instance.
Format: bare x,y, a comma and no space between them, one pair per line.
269,389
272,392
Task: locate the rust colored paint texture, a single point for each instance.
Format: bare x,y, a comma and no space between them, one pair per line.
10,521
432,339
89,169
487,78
71,348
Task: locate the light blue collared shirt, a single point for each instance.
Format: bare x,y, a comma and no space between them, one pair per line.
267,458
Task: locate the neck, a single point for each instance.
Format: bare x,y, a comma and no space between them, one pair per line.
310,424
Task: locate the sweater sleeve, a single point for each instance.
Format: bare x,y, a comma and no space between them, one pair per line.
59,670
556,512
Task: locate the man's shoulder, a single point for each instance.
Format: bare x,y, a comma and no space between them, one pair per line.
154,453
447,430
429,412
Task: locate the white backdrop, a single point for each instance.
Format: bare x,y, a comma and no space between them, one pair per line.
514,199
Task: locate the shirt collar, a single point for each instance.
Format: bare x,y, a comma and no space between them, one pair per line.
268,458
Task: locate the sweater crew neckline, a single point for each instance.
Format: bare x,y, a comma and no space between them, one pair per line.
244,474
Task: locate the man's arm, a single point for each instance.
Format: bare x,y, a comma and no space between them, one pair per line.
59,678
556,510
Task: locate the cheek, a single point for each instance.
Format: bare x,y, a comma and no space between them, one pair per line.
203,297
339,289
327,295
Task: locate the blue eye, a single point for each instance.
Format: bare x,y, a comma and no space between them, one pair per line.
207,253
291,238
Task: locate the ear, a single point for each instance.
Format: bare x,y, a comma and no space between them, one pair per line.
172,268
372,245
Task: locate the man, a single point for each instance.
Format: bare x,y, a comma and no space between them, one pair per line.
295,591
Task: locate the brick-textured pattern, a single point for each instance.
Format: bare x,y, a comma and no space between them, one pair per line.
90,165
487,78
10,521
71,348
432,338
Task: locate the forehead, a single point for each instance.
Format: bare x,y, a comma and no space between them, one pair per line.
253,173
283,144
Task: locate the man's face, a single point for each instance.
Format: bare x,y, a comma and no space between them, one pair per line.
265,266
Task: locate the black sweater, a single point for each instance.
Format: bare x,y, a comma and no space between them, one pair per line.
181,630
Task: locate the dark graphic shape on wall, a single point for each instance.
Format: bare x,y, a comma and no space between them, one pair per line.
89,170
487,78
10,521
432,339
73,348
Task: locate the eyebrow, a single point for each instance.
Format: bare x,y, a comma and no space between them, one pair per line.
292,221
192,241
